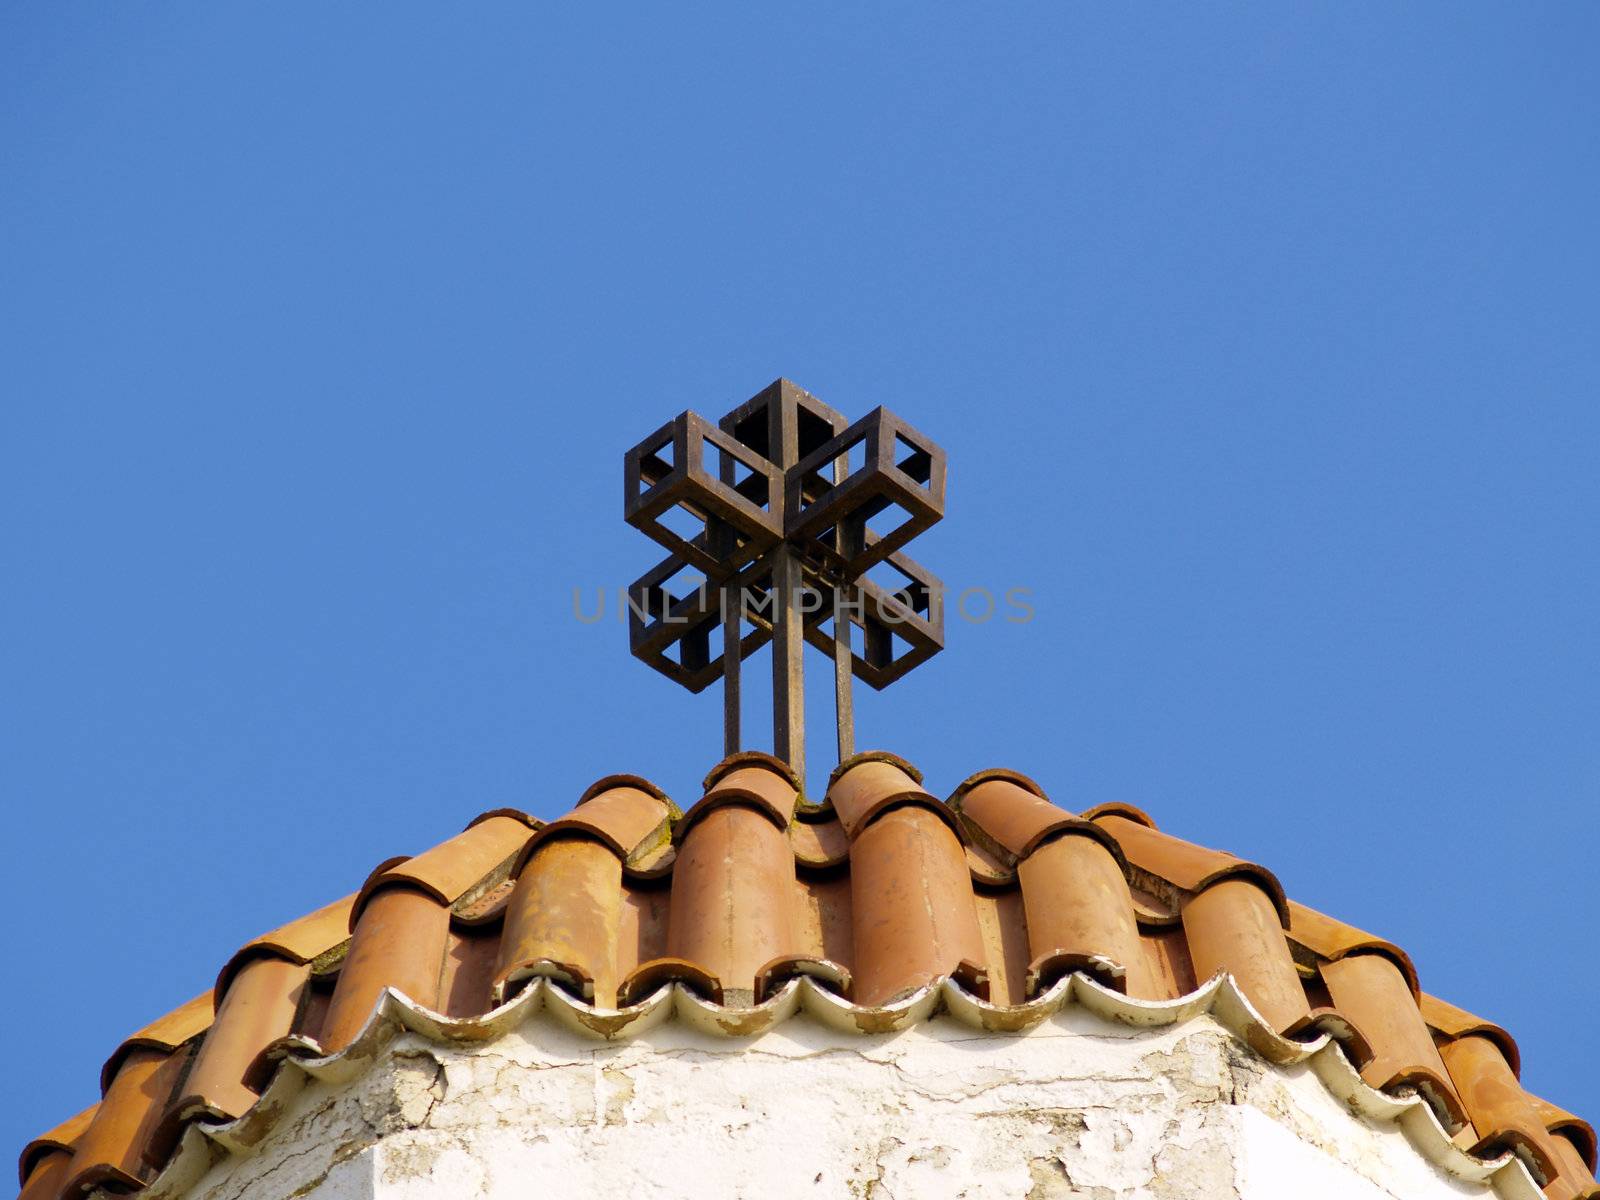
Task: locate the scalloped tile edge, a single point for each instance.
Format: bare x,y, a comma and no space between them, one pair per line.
205,1145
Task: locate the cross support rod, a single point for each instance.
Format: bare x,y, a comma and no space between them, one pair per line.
843,668
732,635
788,662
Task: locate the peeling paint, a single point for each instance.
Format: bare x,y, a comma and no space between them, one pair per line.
418,1070
1067,1111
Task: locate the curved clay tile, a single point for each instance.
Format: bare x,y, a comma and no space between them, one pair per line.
1079,910
228,1072
819,843
1116,808
51,1145
651,864
1006,810
1233,926
1574,1177
989,869
399,942
642,933
913,919
1166,955
755,785
516,814
450,869
1504,1116
312,936
869,756
1575,1129
1192,868
1456,1022
911,900
487,905
564,915
313,1014
1080,917
165,1033
773,975
823,920
466,983
650,977
1333,940
752,758
732,894
1186,864
873,783
49,1172
626,813
1371,992
1004,774
1005,957
562,920
110,1152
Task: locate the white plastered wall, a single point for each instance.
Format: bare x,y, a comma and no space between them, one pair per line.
1072,1108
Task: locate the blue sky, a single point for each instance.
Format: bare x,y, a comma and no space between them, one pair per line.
1263,344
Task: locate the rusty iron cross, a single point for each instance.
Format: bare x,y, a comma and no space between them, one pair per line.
785,524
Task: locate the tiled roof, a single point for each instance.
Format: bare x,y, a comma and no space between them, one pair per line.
875,908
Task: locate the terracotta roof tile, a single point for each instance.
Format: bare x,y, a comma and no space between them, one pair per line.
1232,926
871,786
1183,864
259,1008
1079,916
866,756
819,843
110,1152
563,920
1502,1114
822,919
626,813
57,1142
467,979
1575,1129
1373,993
47,1178
165,1033
1009,814
911,891
399,942
1449,1021
1330,939
752,758
1117,808
733,888
301,941
757,786
872,897
990,868
451,868
1168,957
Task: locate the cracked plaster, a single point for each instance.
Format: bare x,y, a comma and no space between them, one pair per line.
1069,1109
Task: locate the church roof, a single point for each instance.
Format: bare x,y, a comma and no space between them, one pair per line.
876,908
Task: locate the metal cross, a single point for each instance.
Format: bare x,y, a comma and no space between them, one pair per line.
785,524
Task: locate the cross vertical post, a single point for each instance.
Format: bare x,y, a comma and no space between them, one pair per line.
732,635
788,662
843,701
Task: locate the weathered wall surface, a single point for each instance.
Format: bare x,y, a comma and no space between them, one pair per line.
1070,1109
